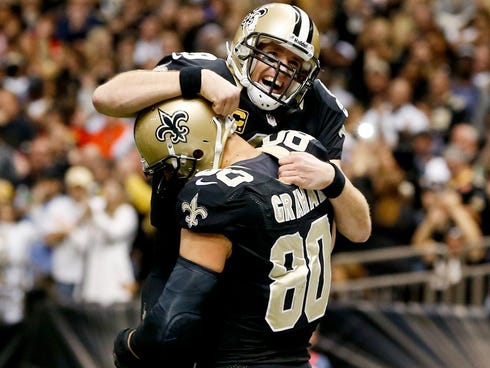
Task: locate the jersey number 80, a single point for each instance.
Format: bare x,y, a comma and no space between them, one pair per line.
303,287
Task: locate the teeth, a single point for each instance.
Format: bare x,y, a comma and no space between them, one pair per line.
270,80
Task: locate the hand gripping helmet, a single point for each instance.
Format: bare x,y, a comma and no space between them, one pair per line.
181,136
289,27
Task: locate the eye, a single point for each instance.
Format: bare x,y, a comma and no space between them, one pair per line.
272,53
296,64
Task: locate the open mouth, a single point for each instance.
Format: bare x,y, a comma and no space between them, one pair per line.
272,84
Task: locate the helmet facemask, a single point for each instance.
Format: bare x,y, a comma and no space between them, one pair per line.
296,82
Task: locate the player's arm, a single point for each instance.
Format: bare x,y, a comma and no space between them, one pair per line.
173,323
352,215
207,250
129,92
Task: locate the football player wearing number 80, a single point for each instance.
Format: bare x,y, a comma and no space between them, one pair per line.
268,84
260,246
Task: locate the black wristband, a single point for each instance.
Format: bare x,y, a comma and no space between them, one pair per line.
190,81
337,185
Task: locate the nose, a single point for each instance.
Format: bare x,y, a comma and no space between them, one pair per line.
283,66
284,61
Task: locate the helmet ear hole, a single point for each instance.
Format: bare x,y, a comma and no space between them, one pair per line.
197,154
242,51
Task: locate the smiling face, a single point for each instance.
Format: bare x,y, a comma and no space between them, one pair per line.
266,73
260,44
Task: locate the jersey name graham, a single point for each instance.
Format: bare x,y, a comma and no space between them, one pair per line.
291,206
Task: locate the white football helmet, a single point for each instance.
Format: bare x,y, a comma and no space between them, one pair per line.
289,27
181,136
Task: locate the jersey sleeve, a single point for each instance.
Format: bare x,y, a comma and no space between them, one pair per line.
332,115
212,208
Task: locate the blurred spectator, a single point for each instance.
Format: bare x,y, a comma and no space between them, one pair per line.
31,11
124,46
16,239
44,191
77,20
481,79
462,83
376,77
465,180
98,55
16,79
193,15
66,230
128,16
429,166
148,48
397,119
15,128
445,109
211,38
41,153
372,46
447,221
112,136
8,169
171,42
392,201
466,137
108,273
452,16
42,48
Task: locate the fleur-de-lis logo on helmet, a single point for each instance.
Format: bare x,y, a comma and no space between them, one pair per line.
172,125
194,211
250,20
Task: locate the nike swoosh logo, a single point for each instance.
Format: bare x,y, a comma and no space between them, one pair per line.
200,182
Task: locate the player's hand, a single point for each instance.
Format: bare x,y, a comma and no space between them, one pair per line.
224,96
305,170
123,357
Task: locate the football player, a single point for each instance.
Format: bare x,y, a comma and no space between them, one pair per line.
268,83
258,244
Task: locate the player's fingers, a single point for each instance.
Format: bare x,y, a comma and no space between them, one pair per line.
292,179
229,107
285,160
289,169
219,107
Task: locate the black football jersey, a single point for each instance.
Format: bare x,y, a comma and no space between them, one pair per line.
276,284
322,115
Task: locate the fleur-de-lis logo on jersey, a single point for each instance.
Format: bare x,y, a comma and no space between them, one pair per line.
194,211
171,125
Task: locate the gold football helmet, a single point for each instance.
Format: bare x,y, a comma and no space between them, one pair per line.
181,136
289,27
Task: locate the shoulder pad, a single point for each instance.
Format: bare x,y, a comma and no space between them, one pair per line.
281,143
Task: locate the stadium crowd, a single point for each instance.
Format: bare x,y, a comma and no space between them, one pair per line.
414,76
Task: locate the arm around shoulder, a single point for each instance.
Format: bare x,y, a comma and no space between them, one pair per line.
127,93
